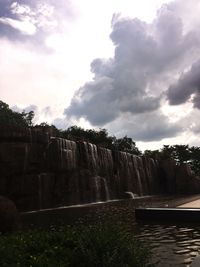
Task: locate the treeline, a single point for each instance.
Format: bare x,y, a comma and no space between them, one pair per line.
8,116
180,153
102,138
98,137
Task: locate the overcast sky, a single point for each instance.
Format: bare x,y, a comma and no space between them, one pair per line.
132,67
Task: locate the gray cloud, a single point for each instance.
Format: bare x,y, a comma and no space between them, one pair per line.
26,109
145,127
40,114
47,111
187,87
32,20
147,59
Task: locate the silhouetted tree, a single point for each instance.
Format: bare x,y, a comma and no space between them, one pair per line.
195,159
8,116
126,144
154,154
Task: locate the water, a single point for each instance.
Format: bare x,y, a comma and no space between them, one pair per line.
171,245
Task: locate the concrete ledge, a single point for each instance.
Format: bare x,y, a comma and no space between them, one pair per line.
168,214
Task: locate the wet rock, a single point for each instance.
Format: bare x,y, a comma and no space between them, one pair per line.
9,216
194,185
39,170
168,175
183,177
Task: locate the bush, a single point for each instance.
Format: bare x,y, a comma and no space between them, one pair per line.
101,245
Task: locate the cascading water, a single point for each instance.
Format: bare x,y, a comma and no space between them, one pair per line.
98,174
140,191
97,183
106,189
101,189
71,158
40,191
68,169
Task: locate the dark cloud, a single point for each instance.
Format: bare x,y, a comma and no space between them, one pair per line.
147,59
187,88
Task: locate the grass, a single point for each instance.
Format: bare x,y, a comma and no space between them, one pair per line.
97,245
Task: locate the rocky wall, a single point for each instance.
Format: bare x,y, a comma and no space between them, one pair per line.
40,171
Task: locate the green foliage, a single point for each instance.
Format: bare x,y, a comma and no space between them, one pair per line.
195,159
154,154
180,153
100,245
8,116
126,144
167,152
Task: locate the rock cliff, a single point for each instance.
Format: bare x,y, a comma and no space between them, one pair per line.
38,171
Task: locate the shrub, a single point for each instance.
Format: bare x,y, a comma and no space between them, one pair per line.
100,245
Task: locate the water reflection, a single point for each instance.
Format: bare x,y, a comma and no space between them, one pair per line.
171,245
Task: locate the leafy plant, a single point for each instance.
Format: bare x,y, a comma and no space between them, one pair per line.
98,245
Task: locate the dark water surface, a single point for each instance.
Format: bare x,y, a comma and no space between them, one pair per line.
171,244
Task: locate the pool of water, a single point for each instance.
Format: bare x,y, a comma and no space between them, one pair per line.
171,244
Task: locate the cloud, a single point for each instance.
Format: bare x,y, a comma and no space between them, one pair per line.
26,109
145,127
148,58
33,21
45,114
25,27
187,88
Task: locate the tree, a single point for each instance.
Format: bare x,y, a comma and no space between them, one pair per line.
195,159
181,153
154,154
167,152
7,116
28,117
126,144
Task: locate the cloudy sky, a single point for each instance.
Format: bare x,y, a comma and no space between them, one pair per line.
132,67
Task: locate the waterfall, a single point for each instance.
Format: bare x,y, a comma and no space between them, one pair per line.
93,157
106,189
26,154
137,162
100,189
70,151
81,172
97,181
39,191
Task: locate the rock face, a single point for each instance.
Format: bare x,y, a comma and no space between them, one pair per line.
40,171
169,170
9,216
178,178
